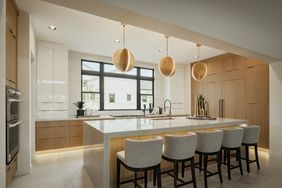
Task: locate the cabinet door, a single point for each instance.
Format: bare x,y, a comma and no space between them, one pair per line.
233,93
212,93
12,16
44,75
177,91
60,79
11,57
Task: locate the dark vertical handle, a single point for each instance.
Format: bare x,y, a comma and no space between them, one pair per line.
221,110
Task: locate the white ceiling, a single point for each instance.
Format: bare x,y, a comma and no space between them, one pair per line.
82,32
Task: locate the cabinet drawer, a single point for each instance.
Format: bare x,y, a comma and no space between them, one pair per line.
52,132
76,141
47,144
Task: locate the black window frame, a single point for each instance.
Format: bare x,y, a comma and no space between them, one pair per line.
102,74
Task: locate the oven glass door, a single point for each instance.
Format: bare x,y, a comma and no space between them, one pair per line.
12,139
12,109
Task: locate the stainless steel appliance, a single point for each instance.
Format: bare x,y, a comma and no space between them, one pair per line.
12,123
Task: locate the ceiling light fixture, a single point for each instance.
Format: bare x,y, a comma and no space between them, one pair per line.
161,50
123,59
117,41
52,27
199,70
167,64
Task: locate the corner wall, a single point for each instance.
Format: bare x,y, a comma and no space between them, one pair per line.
2,95
275,108
24,85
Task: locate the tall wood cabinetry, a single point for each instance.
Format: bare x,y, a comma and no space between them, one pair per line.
11,43
52,81
243,85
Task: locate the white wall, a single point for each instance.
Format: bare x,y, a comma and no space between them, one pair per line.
24,85
275,108
162,84
32,43
2,95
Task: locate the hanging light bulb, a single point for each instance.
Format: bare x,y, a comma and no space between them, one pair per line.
199,70
123,59
167,64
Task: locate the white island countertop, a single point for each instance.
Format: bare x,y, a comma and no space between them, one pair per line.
140,126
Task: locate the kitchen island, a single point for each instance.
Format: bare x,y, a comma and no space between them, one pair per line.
103,139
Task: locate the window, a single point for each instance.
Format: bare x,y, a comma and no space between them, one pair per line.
103,87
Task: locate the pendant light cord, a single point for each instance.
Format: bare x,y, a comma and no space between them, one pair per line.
166,46
123,25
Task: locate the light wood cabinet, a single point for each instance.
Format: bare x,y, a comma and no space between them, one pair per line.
58,134
11,43
243,84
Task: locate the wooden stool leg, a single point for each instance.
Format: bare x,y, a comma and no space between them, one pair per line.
206,170
193,173
257,158
228,164
218,157
159,176
145,178
240,160
118,173
247,158
200,162
175,174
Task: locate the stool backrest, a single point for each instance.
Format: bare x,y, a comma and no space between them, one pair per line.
180,146
232,137
209,141
143,153
251,134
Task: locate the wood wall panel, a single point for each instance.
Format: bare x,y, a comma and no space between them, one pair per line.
243,83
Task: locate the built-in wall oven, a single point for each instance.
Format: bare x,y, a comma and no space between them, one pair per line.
12,123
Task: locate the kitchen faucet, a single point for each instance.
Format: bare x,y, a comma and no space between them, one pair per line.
167,100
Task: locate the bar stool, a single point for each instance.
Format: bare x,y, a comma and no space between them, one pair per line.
232,140
140,156
209,143
180,149
250,138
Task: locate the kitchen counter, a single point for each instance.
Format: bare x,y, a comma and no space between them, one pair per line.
73,118
103,139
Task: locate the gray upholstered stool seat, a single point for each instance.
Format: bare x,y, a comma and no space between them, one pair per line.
208,144
141,156
232,140
250,138
180,149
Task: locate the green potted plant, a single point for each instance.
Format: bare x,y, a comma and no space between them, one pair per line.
80,106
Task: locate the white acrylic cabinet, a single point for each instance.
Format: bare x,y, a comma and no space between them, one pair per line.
52,80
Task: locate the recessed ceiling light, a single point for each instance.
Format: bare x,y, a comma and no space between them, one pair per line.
196,57
117,41
161,50
52,27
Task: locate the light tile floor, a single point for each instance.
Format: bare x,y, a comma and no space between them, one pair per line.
65,170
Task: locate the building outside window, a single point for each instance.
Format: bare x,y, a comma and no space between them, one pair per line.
103,87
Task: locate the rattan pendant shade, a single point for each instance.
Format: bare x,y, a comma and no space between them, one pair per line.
167,64
199,70
123,59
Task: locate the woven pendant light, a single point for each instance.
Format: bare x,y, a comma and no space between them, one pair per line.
167,64
199,70
123,59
